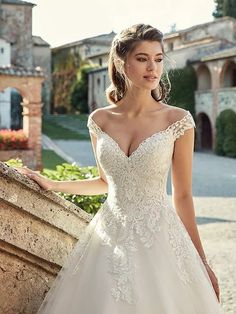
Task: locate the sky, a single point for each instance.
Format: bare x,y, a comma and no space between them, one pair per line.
60,22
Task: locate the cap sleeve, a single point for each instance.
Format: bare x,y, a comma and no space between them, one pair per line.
180,126
93,127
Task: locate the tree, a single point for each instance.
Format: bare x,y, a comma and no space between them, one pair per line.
183,85
229,8
79,90
219,8
225,8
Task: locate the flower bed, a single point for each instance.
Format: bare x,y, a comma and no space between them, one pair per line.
12,139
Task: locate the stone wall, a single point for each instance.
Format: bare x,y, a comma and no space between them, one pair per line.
98,81
38,230
223,28
227,99
42,58
16,28
204,103
27,51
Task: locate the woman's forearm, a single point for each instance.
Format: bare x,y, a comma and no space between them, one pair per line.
94,186
185,209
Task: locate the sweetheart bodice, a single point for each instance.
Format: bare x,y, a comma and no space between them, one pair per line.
142,176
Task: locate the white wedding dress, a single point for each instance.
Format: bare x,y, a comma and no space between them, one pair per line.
135,256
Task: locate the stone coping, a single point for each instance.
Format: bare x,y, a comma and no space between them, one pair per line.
20,71
12,173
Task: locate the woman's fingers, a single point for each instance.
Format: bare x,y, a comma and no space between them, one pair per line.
45,183
214,281
25,170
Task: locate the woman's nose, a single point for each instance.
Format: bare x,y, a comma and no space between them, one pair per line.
151,66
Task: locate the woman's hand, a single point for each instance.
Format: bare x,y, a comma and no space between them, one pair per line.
45,183
214,281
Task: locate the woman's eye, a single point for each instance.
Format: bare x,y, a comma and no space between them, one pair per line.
141,59
159,60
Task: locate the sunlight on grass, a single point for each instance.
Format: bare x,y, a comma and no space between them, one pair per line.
51,159
65,127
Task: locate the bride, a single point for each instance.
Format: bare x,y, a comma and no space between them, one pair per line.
140,254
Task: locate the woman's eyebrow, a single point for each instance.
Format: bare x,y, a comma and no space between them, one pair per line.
146,54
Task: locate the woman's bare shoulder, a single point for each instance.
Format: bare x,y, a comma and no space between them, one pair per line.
100,115
176,114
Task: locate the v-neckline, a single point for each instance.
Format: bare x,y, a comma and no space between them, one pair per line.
147,139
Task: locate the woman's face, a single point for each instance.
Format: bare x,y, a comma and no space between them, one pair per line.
144,65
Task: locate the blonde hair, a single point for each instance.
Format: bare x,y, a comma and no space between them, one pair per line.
123,44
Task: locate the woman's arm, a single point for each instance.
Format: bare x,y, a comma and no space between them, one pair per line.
182,195
94,186
182,186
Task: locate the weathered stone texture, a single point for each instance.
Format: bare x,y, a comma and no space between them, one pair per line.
38,230
16,28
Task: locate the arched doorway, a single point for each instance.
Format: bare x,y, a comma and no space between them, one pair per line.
203,78
16,110
204,132
11,109
28,83
228,74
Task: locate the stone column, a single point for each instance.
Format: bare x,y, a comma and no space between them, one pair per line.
32,126
215,79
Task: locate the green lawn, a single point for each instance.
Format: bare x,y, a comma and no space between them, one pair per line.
66,127
51,159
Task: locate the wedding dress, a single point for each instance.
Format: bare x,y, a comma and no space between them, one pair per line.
135,257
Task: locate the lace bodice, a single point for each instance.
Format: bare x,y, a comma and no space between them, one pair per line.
137,204
142,176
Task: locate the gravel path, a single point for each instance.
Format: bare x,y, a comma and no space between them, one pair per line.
216,219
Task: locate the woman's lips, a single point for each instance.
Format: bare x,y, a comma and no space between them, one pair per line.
150,78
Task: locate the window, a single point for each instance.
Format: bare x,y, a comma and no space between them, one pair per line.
170,46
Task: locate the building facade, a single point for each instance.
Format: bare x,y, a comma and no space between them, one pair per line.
67,60
26,51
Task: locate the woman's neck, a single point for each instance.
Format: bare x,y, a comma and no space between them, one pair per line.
137,102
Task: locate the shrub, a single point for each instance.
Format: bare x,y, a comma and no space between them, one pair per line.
12,139
183,85
79,90
226,133
70,172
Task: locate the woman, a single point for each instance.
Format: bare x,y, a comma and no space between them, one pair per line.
139,254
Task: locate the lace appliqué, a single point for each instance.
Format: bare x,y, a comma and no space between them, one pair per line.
120,232
183,248
179,127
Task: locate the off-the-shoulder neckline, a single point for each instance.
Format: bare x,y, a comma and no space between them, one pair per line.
188,114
